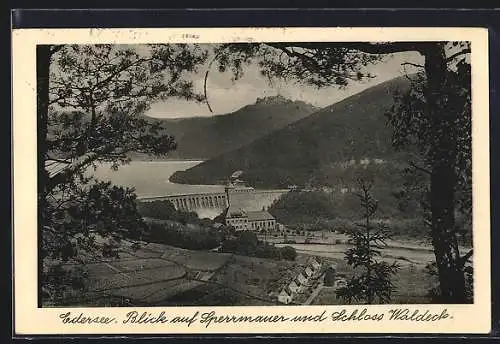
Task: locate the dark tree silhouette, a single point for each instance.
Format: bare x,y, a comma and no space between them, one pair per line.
89,101
451,145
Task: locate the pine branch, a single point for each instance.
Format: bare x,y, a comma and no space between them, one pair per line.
462,52
54,49
419,168
206,77
366,47
62,161
465,258
412,64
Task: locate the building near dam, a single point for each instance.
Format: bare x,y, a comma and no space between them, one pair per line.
243,206
251,220
246,207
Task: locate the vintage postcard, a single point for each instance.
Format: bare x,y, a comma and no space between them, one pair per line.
251,180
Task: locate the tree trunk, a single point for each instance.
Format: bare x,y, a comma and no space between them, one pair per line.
443,178
42,79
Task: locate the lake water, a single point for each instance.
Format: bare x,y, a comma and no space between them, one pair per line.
150,178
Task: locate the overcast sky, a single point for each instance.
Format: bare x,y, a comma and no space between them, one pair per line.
226,96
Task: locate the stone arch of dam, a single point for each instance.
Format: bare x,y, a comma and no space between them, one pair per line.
214,203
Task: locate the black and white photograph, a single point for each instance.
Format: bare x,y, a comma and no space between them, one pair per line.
189,179
245,174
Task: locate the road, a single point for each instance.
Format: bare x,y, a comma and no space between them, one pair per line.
314,294
403,255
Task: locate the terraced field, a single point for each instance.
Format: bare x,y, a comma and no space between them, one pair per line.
149,275
153,293
137,277
156,275
196,260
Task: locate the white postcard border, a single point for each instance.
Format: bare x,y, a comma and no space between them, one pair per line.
29,319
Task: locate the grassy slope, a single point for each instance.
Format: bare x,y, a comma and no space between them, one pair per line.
144,279
310,149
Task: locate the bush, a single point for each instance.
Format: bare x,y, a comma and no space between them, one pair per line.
329,278
165,210
302,207
246,243
317,211
288,253
176,235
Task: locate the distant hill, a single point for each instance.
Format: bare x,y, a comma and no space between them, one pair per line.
325,148
202,138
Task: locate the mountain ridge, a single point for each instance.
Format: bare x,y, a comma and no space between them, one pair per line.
206,137
314,149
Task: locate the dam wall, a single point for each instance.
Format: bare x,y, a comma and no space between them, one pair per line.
212,204
253,200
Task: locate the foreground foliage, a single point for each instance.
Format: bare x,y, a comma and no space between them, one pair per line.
373,282
90,101
246,243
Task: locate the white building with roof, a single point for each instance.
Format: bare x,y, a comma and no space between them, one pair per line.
316,265
308,271
301,278
258,220
251,220
293,287
238,220
285,297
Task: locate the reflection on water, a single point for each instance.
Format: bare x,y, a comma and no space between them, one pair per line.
150,178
